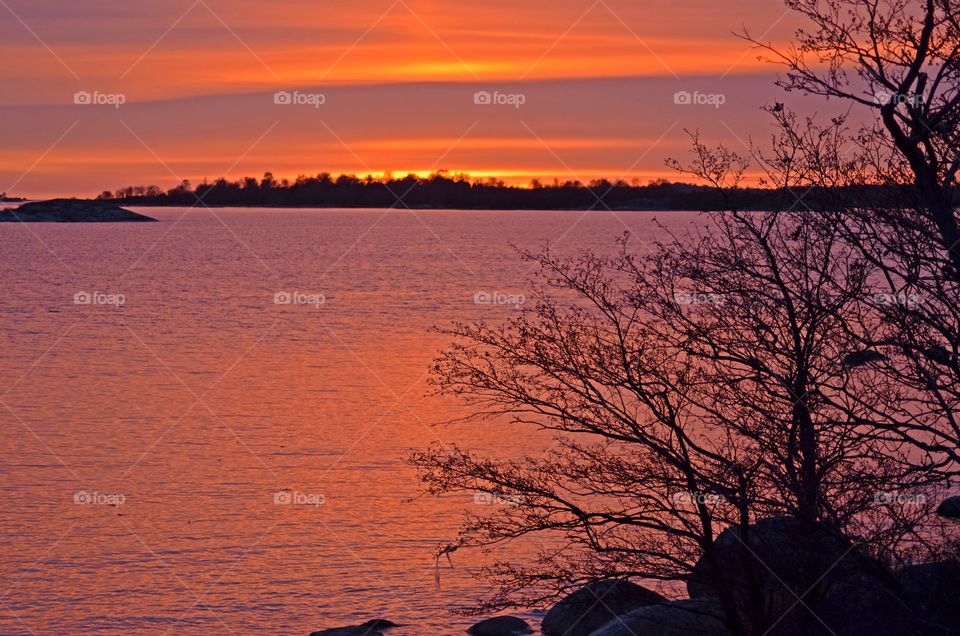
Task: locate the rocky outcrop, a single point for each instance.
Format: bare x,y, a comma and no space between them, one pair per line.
500,626
71,211
594,605
700,617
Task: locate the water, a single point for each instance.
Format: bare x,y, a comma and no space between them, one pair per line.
183,390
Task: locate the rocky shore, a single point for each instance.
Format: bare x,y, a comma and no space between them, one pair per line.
71,211
768,584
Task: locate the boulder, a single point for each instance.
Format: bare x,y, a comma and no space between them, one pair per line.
594,605
500,626
791,578
933,590
950,508
863,603
700,617
774,548
370,628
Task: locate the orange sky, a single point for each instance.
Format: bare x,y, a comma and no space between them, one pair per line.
398,78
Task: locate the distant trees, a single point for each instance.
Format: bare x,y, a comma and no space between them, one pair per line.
443,191
131,192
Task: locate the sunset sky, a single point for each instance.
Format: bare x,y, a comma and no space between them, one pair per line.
398,80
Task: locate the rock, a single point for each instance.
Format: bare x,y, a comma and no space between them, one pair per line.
787,561
700,617
379,623
370,628
864,603
779,547
594,605
950,508
500,626
71,211
933,590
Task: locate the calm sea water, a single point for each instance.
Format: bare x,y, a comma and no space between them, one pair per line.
176,388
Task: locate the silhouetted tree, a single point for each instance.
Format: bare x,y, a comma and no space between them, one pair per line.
696,388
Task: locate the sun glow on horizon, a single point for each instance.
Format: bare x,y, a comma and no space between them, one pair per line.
399,78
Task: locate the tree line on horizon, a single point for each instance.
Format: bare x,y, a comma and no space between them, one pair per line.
444,191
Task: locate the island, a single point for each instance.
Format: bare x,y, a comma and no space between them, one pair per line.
71,211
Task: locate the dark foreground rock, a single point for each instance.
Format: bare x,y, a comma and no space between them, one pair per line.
796,579
370,628
950,508
71,211
500,626
593,606
933,589
700,617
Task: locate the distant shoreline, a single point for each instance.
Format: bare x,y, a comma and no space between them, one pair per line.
414,208
441,192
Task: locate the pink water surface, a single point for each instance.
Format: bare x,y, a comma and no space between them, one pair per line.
199,399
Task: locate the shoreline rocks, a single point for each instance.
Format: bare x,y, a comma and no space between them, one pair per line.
783,577
593,606
501,626
933,590
702,617
777,561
